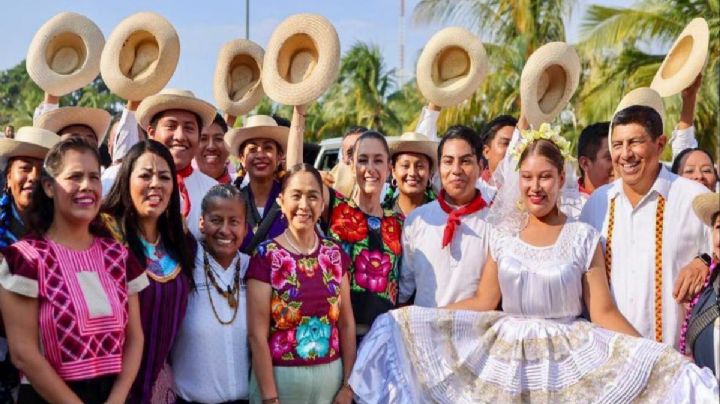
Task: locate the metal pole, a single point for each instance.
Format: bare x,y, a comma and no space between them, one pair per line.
247,19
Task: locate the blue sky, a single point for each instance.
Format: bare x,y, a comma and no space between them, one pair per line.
205,25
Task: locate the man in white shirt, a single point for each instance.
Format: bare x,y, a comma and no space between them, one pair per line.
445,242
175,119
650,233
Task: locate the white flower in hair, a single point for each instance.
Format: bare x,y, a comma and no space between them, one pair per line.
545,132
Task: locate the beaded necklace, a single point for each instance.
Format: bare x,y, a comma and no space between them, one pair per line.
659,215
230,293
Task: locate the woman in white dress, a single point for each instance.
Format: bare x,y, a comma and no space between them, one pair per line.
543,268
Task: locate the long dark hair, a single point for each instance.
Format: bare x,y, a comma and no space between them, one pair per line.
118,204
42,208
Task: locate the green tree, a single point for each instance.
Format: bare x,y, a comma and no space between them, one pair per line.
612,43
19,96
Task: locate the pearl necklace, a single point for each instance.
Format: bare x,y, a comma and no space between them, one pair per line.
298,250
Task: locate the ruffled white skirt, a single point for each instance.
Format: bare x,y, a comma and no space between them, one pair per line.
421,355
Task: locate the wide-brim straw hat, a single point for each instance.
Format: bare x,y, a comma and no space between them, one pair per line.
95,118
417,143
451,67
548,81
685,60
237,86
140,56
302,60
29,141
172,98
64,54
706,206
256,127
641,96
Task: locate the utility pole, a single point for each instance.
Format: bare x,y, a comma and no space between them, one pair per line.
247,19
401,71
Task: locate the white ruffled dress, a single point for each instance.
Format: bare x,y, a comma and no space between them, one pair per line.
537,350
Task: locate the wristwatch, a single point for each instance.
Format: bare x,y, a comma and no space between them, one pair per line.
705,258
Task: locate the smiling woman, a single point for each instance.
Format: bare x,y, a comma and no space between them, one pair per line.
146,202
67,287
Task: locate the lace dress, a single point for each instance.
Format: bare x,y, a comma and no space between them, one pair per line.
536,350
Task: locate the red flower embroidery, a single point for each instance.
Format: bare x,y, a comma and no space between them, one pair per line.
286,315
391,234
330,261
282,269
349,224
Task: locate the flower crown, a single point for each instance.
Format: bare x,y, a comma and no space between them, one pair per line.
545,132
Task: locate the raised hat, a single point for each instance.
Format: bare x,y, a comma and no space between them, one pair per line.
451,66
548,81
706,206
237,87
413,142
643,96
64,54
172,98
684,61
140,56
29,141
256,127
95,118
302,60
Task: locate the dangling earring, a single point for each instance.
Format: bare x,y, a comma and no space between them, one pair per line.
241,171
393,183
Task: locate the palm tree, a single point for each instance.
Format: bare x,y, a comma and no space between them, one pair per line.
512,30
612,42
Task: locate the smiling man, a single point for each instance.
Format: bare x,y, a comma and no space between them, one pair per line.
653,241
445,242
175,118
212,154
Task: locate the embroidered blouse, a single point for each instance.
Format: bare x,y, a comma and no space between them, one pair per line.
82,297
305,301
375,249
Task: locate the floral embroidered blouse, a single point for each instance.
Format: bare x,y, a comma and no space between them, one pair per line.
305,302
375,249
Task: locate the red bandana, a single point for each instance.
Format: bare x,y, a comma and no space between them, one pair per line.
224,178
184,196
454,215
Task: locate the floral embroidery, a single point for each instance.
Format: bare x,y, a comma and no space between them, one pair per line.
283,269
305,301
334,311
348,224
313,337
374,245
282,345
391,234
286,315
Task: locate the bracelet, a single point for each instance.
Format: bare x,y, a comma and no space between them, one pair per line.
272,400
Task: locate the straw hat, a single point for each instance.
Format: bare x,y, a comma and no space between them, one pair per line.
643,96
706,206
302,59
64,54
140,56
97,119
685,60
413,142
237,87
548,81
29,142
451,66
172,98
256,127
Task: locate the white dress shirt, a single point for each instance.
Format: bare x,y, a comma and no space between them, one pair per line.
127,134
441,276
427,124
682,139
633,248
210,361
197,184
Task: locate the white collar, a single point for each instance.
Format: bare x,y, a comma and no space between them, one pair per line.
662,184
